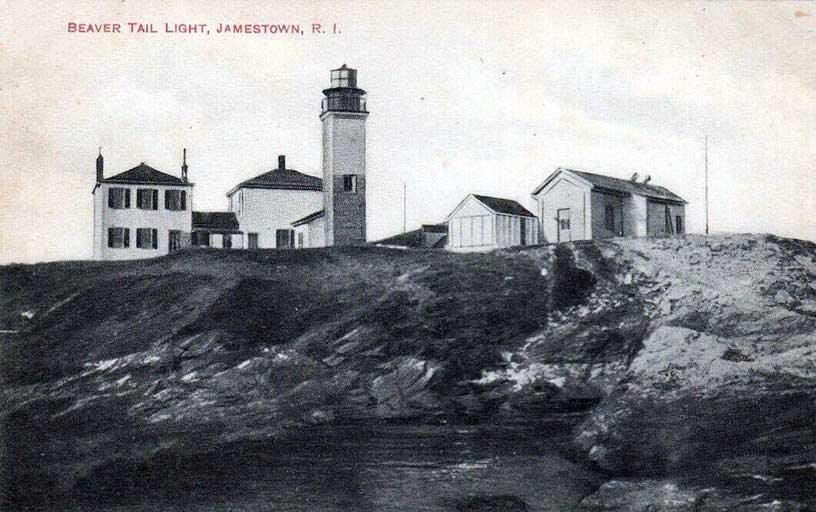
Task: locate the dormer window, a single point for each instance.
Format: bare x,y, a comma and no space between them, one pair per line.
118,198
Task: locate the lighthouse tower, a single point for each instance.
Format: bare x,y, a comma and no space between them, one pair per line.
344,114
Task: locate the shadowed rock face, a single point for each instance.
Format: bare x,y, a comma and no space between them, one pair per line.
130,361
697,352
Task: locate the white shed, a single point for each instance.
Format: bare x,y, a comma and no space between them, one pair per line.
483,223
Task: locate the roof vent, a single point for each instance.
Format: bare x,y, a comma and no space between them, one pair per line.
281,162
634,178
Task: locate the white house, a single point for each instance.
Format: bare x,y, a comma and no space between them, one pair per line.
577,205
140,213
483,223
266,205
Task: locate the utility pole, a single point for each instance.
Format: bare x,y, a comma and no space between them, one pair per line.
706,181
404,207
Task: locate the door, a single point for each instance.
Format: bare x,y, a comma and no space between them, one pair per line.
284,238
563,219
252,240
174,240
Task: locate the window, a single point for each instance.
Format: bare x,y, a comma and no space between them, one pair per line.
174,240
201,239
227,243
350,183
147,199
118,238
679,222
119,198
175,200
252,240
146,238
609,218
300,241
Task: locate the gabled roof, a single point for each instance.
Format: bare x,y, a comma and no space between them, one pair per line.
144,174
215,221
609,183
307,219
506,206
283,179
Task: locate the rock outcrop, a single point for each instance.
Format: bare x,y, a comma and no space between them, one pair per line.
694,355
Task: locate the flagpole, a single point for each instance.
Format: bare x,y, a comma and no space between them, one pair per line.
706,181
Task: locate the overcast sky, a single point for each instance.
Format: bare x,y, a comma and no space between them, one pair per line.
464,97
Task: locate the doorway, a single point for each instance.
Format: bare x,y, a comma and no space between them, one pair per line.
563,220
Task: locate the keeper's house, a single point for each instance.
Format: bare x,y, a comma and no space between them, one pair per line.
483,223
266,205
140,213
577,205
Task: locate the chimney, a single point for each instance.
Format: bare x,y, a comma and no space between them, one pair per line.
100,166
184,165
634,178
647,179
281,162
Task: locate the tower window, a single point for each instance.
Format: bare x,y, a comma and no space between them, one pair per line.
350,183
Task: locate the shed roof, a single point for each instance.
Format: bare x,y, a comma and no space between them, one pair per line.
144,174
282,179
617,184
215,221
506,206
309,218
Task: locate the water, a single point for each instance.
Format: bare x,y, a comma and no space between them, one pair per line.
361,467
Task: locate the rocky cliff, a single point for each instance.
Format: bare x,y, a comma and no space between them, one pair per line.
694,356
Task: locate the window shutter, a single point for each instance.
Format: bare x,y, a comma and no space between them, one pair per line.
166,199
110,197
139,237
155,199
126,238
155,237
127,198
183,200
110,237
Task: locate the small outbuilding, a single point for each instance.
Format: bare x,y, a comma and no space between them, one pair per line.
310,231
216,229
578,205
483,223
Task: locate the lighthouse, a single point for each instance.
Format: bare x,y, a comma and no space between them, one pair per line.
343,114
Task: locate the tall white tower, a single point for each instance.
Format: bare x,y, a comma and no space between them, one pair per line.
344,115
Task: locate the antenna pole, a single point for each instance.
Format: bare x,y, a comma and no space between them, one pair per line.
404,206
706,181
